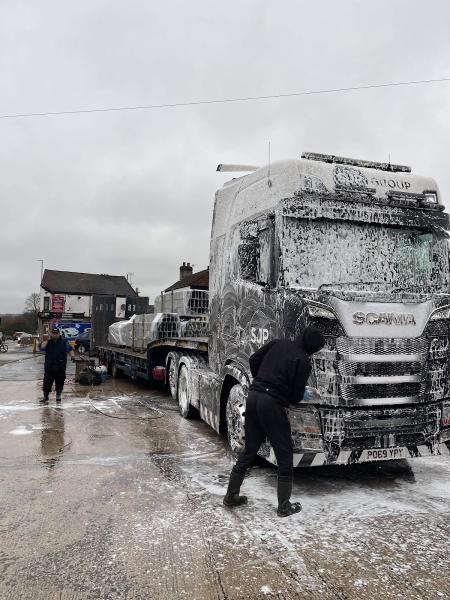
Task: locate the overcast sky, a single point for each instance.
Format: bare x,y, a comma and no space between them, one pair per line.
133,191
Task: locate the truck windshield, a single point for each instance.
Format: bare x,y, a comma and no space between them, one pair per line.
316,253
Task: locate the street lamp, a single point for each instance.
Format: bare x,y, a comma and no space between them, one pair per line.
41,260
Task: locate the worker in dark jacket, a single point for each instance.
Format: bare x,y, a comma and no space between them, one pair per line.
280,370
56,349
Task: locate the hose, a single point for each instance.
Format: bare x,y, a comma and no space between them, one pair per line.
160,414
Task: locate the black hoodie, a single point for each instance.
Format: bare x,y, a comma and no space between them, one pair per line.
281,368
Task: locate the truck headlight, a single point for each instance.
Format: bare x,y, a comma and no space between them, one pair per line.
440,313
317,310
311,395
430,197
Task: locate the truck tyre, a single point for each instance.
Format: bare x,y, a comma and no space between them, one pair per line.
173,379
235,416
81,349
186,409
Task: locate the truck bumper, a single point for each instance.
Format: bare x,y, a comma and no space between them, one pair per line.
356,456
344,437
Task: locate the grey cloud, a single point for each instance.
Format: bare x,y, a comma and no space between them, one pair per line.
134,191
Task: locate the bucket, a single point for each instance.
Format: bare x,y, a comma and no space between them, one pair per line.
102,371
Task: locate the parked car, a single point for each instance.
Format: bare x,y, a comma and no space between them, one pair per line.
25,339
83,342
16,335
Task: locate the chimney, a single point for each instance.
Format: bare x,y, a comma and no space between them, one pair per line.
185,270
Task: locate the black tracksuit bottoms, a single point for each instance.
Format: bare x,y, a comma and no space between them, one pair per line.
53,375
266,418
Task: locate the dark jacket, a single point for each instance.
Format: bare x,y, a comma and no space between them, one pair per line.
56,354
281,368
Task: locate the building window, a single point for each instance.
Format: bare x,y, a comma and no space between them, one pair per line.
46,303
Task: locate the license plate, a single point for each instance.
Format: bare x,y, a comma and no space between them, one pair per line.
384,454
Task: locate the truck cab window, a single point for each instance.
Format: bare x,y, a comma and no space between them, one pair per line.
415,259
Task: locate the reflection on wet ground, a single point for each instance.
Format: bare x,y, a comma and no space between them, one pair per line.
113,495
52,435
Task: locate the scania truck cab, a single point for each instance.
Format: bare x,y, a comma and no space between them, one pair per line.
360,250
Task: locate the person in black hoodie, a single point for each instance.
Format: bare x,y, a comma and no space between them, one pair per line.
56,350
280,370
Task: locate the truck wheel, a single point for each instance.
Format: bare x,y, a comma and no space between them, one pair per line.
81,349
186,409
235,415
173,379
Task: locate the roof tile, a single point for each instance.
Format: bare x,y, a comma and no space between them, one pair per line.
69,282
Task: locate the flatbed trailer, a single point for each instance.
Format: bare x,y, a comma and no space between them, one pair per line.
121,360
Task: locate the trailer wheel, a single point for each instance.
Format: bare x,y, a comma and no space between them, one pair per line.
235,416
173,379
186,409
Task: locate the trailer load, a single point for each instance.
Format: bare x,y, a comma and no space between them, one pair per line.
188,303
141,330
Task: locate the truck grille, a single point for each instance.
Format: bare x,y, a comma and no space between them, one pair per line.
379,347
373,394
374,371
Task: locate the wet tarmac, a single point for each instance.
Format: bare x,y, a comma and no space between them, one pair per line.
112,495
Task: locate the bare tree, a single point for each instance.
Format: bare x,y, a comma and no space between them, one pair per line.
32,305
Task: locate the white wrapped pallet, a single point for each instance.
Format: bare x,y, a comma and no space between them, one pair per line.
140,330
148,328
119,333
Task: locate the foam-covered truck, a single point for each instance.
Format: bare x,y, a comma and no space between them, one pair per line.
360,250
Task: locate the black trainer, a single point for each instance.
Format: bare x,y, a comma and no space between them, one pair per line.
44,400
58,397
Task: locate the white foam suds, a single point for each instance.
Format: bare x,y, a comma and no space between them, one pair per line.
21,430
266,590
